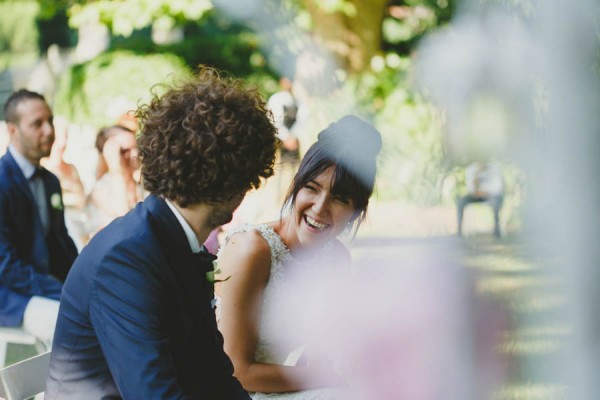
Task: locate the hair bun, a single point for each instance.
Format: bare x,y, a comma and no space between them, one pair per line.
353,135
353,143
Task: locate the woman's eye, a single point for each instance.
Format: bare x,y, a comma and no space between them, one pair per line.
342,199
311,188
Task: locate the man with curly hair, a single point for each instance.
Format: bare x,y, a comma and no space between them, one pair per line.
137,319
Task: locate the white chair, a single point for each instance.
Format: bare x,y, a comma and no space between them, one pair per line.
24,379
18,336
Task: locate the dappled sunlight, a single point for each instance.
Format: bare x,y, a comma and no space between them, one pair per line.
537,302
533,391
500,263
529,346
508,284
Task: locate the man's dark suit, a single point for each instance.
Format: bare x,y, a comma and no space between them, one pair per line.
26,256
135,319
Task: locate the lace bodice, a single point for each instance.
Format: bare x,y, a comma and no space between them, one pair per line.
278,316
273,306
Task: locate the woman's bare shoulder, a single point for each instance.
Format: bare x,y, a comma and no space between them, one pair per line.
246,248
250,240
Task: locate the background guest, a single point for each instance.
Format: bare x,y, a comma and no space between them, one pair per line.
117,188
36,251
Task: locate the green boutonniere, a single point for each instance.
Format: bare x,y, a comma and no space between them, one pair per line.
56,201
210,275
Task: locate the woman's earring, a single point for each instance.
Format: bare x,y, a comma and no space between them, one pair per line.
349,226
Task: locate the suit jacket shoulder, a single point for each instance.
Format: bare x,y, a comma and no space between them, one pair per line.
26,255
135,314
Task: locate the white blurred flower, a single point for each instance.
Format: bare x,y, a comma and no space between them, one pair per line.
393,60
399,330
377,63
482,72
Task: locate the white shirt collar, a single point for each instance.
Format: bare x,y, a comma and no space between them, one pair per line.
26,167
189,232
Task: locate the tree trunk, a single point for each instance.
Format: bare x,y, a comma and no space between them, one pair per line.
353,39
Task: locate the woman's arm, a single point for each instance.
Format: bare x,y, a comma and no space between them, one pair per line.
246,259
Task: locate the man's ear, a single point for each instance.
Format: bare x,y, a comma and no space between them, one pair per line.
11,128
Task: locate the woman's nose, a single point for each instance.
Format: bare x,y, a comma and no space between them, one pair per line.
321,204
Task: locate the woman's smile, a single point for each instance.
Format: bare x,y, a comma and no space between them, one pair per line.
313,223
320,214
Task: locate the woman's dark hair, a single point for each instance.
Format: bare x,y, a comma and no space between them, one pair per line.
207,140
106,132
350,146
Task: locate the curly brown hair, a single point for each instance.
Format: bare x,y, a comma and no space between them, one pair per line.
206,140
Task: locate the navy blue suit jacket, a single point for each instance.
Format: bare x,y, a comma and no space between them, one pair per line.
30,264
136,320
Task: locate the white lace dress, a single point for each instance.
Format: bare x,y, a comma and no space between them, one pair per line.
273,324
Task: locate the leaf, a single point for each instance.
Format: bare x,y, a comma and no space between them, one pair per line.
210,276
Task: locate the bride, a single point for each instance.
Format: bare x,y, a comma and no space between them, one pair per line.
259,265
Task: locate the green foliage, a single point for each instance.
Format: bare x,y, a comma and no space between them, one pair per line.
220,43
413,26
126,16
92,92
333,6
443,9
18,33
407,21
266,84
54,29
412,159
213,41
412,164
49,8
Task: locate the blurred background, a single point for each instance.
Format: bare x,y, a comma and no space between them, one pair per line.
513,83
96,60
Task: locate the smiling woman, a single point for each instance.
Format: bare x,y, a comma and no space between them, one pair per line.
329,195
319,212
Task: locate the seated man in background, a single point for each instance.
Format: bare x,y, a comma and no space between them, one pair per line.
36,251
484,184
